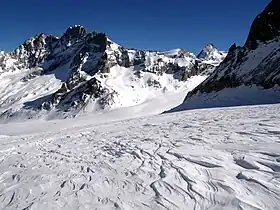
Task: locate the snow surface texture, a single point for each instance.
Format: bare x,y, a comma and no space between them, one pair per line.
49,77
201,159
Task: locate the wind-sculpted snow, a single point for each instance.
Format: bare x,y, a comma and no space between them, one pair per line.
201,159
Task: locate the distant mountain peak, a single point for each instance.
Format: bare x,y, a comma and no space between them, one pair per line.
210,46
211,53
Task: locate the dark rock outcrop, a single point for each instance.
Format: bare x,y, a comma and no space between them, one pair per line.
266,26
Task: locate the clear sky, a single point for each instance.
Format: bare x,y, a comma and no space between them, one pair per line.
144,24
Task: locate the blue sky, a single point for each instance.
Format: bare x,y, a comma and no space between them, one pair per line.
145,24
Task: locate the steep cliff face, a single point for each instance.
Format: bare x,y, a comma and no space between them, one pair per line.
68,74
256,65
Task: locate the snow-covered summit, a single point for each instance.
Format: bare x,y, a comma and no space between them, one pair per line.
209,48
211,54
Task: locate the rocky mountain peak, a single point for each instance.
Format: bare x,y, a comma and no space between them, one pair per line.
75,32
211,53
33,50
206,51
266,25
210,47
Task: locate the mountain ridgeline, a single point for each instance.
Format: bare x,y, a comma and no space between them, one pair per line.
86,70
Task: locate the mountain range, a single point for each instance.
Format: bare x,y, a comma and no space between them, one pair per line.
49,77
57,77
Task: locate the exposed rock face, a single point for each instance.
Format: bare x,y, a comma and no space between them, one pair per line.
82,63
74,33
266,26
256,63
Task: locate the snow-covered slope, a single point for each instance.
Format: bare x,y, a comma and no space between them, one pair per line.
223,159
253,68
56,77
